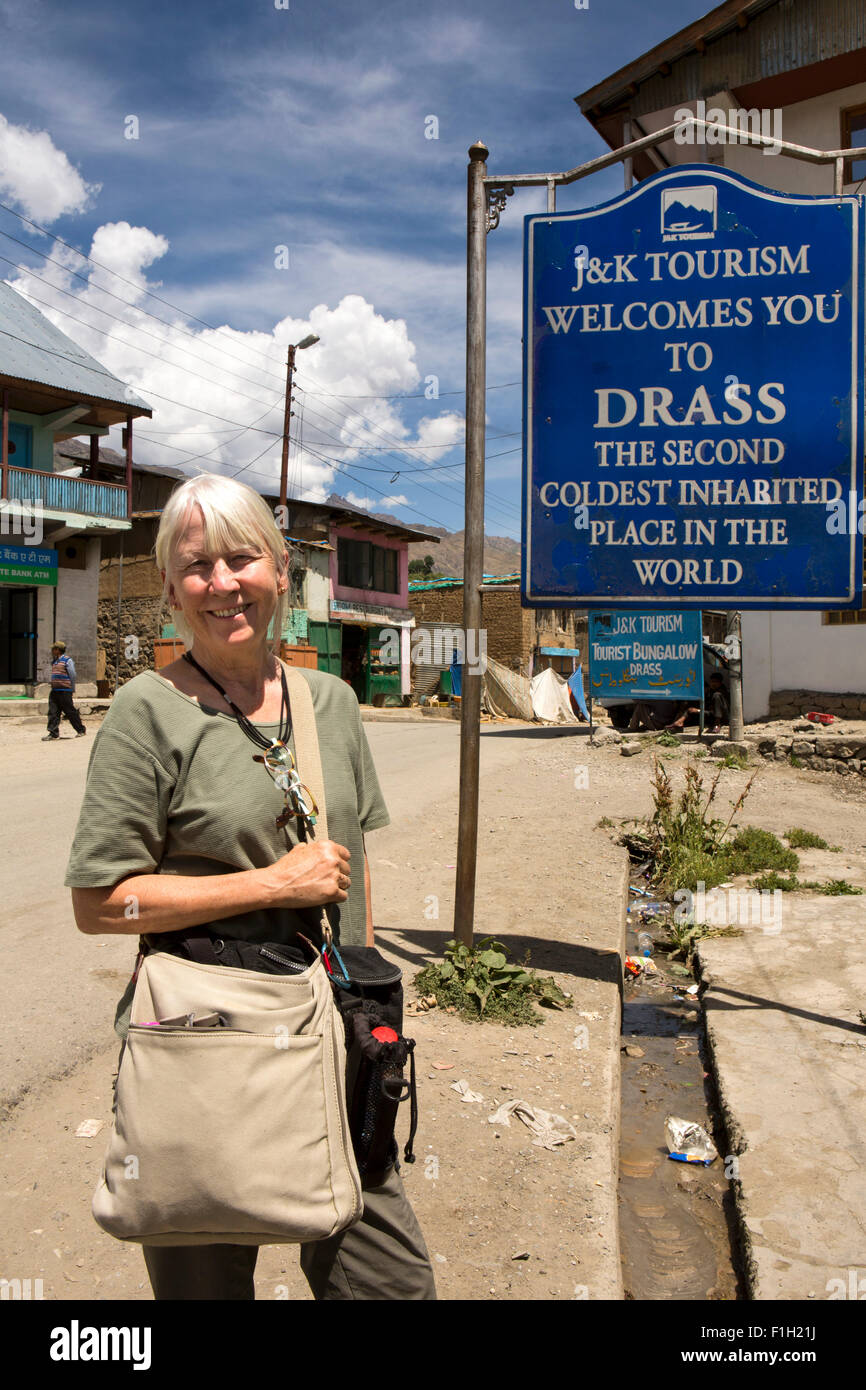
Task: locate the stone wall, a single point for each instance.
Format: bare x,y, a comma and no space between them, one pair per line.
790,704
141,578
821,752
140,618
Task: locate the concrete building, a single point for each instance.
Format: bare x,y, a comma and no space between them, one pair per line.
350,613
795,70
52,519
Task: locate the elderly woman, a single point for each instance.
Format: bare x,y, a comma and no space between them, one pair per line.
178,829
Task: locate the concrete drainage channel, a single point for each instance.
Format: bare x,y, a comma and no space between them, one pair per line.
678,1229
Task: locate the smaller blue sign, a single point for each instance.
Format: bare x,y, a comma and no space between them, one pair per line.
28,555
642,654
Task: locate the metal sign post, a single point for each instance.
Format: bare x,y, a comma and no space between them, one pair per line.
473,541
487,195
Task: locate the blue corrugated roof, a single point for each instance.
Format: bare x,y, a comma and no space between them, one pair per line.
32,349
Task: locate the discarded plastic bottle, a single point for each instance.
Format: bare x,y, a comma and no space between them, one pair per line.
644,943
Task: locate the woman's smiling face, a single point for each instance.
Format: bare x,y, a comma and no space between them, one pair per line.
227,598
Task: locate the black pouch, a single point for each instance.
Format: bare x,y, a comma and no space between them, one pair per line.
368,992
369,995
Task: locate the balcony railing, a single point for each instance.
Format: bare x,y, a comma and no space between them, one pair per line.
58,492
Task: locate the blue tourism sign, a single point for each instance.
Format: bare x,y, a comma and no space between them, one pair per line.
646,654
693,413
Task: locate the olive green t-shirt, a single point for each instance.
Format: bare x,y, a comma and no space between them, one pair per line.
172,788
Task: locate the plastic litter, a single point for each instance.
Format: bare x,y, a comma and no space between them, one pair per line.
462,1089
550,1130
88,1129
688,1142
640,965
644,943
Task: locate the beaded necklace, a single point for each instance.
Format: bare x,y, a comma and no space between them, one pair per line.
277,757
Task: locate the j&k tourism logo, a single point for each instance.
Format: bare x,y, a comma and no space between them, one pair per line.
689,214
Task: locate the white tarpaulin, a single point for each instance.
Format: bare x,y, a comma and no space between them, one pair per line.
550,698
506,692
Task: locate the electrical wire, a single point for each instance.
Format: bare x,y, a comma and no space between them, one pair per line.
502,503
174,327
124,342
160,299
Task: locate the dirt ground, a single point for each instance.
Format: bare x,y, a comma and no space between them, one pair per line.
503,1218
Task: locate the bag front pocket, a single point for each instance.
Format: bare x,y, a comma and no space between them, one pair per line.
224,1135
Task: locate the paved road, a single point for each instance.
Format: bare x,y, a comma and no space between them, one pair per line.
58,988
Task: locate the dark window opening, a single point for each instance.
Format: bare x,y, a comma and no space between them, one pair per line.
854,137
362,565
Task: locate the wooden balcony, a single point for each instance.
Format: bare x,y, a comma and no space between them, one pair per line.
57,492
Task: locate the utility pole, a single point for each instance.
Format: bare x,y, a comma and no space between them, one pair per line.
287,416
473,545
310,339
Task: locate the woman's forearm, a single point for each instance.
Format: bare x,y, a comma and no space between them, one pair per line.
151,903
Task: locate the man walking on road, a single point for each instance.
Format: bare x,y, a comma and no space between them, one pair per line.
60,702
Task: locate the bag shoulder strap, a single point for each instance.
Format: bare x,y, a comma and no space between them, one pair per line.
308,759
307,743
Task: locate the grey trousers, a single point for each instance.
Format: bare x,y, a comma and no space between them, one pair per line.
383,1256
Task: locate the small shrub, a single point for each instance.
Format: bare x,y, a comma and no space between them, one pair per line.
835,888
794,760
804,839
770,882
480,983
735,761
685,841
668,740
753,849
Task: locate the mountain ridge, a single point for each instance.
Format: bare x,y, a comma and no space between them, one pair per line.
501,553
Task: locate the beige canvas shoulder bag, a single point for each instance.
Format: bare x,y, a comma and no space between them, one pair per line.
230,1123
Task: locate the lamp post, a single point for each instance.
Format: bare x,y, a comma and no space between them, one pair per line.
310,339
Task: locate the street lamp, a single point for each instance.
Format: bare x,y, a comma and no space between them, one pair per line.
310,339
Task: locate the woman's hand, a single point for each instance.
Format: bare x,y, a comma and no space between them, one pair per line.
310,875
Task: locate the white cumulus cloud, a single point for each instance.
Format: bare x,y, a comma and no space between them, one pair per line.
217,393
37,176
437,434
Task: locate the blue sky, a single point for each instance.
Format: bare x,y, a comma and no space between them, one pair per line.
302,128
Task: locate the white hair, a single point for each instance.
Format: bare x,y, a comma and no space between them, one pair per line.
234,515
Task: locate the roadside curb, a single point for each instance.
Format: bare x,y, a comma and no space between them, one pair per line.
786,1052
